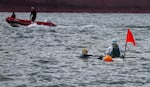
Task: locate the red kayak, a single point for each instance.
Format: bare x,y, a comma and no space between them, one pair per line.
15,22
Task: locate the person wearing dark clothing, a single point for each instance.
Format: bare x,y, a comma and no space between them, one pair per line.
33,14
85,53
115,50
13,15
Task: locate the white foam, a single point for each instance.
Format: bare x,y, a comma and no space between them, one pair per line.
36,25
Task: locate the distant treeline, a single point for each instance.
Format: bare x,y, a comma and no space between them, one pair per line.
76,5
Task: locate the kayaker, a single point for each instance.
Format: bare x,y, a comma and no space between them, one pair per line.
85,53
114,50
33,14
13,15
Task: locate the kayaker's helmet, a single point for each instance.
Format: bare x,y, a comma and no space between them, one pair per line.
84,51
114,43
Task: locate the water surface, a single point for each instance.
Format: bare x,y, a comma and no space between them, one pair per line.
40,56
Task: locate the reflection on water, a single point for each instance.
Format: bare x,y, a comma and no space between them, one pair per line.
39,56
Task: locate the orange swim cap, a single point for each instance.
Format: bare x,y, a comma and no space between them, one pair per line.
107,58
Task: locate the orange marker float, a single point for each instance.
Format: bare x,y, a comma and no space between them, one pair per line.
108,58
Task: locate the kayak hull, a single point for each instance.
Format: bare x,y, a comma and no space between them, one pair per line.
15,22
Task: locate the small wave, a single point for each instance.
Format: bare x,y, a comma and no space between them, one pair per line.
21,85
4,78
36,25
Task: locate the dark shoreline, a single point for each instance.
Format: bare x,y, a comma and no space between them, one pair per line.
76,6
83,11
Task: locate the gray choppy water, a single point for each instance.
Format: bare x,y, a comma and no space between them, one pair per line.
48,57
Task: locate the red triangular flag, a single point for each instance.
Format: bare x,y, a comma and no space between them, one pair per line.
130,37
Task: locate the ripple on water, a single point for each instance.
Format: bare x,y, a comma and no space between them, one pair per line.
5,78
48,57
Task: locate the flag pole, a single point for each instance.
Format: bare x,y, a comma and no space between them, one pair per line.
125,50
129,38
